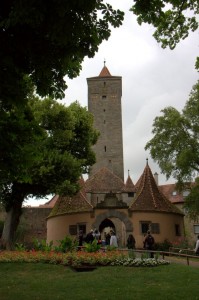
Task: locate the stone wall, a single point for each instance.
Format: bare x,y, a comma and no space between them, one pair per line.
32,226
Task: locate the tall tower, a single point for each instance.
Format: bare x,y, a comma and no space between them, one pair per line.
104,102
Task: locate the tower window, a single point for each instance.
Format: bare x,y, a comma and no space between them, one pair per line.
104,110
105,148
104,97
104,83
104,121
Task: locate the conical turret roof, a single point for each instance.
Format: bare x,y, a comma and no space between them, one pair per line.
148,196
129,186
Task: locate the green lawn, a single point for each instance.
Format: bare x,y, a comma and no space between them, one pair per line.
44,281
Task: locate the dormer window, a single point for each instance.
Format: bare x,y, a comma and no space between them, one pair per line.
174,193
185,193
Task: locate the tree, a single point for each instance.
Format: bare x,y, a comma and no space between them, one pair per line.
42,42
48,40
175,146
172,19
52,149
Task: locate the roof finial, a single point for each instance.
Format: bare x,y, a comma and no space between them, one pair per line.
104,62
147,161
128,172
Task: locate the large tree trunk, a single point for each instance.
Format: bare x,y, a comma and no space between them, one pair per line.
10,226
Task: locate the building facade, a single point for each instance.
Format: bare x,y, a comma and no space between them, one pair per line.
105,201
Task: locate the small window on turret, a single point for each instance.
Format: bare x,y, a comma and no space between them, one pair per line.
105,148
103,97
104,83
131,194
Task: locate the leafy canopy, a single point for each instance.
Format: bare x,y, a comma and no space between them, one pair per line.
173,19
175,144
52,148
48,40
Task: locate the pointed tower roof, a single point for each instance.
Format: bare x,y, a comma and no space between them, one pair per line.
104,181
104,72
148,196
129,186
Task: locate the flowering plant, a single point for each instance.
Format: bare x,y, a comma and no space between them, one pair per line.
79,258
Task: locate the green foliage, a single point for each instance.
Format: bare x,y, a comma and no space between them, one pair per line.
41,245
45,40
163,246
92,247
111,248
68,244
145,255
181,243
20,247
191,202
175,146
132,254
173,20
170,19
53,147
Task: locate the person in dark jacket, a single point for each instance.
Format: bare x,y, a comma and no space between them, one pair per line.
131,242
90,237
149,243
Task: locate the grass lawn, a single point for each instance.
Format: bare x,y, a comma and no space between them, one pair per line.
44,281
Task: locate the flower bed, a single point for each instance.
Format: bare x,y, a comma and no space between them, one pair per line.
80,258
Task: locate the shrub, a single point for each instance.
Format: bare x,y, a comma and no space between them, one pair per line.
68,244
42,245
92,247
163,246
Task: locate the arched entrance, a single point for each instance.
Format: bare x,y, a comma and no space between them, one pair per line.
116,220
106,223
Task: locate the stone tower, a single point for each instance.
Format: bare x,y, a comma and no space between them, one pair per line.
104,102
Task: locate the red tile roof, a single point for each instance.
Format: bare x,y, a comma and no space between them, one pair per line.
148,196
66,204
104,181
129,186
104,72
169,191
50,203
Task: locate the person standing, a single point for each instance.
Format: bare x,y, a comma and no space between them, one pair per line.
113,240
197,246
131,242
80,239
149,243
89,238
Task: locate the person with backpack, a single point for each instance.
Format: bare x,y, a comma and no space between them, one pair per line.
149,243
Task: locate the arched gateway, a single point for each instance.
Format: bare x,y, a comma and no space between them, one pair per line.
112,213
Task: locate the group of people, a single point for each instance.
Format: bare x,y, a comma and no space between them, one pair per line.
110,239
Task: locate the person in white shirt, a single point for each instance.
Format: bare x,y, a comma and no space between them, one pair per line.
197,246
113,240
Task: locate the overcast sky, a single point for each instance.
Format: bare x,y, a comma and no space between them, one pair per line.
152,79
